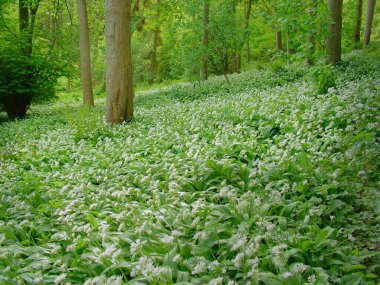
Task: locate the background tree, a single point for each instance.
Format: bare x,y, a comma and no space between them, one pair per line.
368,21
205,41
334,38
119,84
84,43
358,20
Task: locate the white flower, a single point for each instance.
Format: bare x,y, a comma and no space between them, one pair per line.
277,250
167,239
238,260
199,268
216,281
59,279
239,243
286,275
311,279
136,245
300,267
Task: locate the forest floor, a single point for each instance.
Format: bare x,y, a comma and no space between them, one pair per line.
271,179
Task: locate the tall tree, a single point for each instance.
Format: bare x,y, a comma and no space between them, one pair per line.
368,21
85,61
246,27
205,41
156,37
119,86
358,20
334,39
312,33
27,17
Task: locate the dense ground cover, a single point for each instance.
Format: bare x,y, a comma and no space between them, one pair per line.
261,181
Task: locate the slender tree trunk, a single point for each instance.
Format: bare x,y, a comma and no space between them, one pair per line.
153,56
235,62
334,39
23,9
153,53
312,35
279,41
205,41
287,47
85,61
368,21
358,20
246,26
119,86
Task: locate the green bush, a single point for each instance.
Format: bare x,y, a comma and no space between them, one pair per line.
323,78
25,80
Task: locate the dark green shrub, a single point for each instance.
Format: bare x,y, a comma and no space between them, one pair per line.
323,78
25,80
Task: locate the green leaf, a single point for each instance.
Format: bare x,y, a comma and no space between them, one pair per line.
93,221
352,279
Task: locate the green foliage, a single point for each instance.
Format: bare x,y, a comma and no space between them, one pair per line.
323,78
86,122
256,183
24,80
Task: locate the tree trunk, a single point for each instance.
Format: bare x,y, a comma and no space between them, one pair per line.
334,39
279,41
358,21
85,61
312,35
119,86
153,54
368,21
287,47
247,32
236,62
205,41
23,9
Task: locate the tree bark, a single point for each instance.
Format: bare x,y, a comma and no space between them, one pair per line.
334,39
23,9
85,61
287,47
358,20
279,41
312,35
119,86
247,32
205,41
153,53
368,21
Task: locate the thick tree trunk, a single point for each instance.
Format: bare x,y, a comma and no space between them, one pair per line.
85,61
205,41
246,26
368,21
358,20
279,41
334,39
119,86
